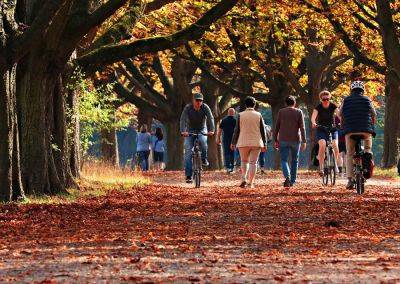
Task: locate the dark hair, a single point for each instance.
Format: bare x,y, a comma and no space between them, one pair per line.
250,102
290,101
159,133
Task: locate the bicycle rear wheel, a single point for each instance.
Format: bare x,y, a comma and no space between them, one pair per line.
359,183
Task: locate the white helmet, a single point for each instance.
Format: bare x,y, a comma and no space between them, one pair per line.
357,85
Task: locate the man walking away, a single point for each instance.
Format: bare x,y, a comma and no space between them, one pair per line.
226,129
289,132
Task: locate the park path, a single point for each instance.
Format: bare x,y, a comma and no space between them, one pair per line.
171,232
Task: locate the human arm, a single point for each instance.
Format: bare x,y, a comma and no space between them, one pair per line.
314,118
276,130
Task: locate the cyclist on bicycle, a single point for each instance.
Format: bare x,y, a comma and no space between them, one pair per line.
324,115
358,118
194,119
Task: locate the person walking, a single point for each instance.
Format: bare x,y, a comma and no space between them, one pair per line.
159,149
225,130
143,147
290,137
249,137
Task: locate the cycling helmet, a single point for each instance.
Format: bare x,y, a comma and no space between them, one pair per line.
357,85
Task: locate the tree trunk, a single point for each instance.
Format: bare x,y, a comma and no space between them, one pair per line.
73,139
174,146
109,147
35,97
392,122
275,107
10,174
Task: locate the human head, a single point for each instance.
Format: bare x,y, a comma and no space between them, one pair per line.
198,100
357,85
143,128
325,97
159,133
290,101
231,111
250,102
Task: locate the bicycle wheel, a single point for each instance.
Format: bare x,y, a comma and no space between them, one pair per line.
197,170
325,176
359,183
332,167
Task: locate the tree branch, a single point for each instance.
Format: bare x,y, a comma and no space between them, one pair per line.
113,53
159,69
34,35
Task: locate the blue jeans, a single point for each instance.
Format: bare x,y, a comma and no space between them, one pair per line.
144,160
285,147
229,156
189,144
261,159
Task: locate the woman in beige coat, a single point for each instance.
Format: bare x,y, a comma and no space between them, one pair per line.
249,137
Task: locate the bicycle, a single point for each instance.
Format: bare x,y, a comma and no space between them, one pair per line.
196,159
358,164
330,163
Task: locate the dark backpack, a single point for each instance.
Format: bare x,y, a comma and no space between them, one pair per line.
368,165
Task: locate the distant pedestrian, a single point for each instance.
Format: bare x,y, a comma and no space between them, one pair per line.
143,147
159,149
225,130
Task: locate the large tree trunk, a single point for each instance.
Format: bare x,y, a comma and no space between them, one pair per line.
109,147
10,174
174,146
35,96
392,122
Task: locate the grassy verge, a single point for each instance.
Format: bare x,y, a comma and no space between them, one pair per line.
386,173
97,180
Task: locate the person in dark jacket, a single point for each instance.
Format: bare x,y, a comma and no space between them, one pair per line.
358,118
225,131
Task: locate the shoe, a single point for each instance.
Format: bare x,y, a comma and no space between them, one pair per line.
205,163
350,184
321,173
286,183
292,183
340,170
243,184
262,171
189,180
251,185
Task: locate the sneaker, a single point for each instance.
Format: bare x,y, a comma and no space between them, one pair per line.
350,184
189,180
340,170
205,163
262,171
243,184
287,182
251,185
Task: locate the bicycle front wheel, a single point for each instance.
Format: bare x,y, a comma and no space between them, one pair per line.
197,179
332,168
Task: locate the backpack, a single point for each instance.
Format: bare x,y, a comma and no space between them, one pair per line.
368,165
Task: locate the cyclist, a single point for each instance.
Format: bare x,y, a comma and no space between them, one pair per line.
358,118
194,119
324,115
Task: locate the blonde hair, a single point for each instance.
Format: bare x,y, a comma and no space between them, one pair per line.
324,93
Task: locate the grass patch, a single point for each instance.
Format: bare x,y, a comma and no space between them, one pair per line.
386,173
97,180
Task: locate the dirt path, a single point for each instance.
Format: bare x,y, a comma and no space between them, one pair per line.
170,232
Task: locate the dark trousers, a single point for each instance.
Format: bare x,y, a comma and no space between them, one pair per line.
144,160
229,157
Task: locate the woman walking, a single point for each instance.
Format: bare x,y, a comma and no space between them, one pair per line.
159,149
143,142
249,137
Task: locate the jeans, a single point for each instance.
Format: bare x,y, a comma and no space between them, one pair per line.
229,157
261,160
144,160
285,147
189,144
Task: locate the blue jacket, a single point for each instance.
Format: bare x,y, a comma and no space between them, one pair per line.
358,113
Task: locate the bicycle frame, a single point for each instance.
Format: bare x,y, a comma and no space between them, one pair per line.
196,158
330,159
